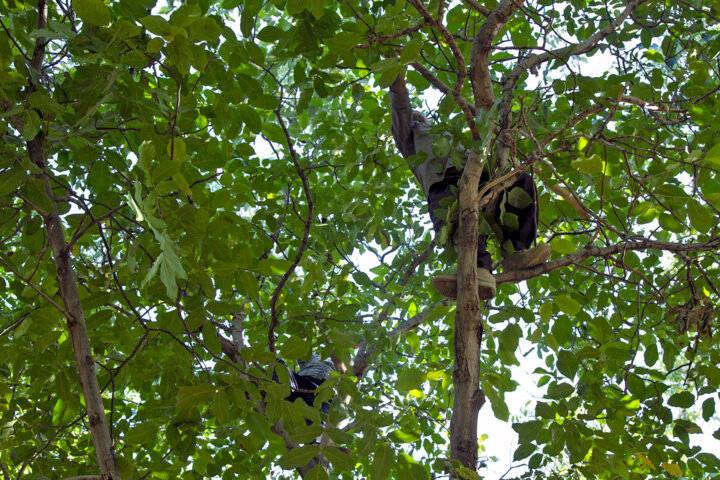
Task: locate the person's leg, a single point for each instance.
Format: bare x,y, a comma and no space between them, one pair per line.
524,236
443,190
447,284
439,191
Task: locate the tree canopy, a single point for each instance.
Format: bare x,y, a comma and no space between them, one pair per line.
189,191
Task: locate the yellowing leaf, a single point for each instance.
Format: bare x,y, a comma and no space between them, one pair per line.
645,460
672,469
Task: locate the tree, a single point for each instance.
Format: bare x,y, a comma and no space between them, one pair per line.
186,190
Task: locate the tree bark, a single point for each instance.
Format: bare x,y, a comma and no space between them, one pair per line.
69,293
467,398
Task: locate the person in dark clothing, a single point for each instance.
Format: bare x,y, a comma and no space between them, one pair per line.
307,379
311,374
437,177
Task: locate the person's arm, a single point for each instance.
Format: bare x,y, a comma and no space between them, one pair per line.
401,117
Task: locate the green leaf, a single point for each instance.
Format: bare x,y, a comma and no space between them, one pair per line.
544,410
205,29
708,409
519,198
411,51
250,118
709,460
99,177
153,271
563,246
546,311
45,103
344,41
524,451
143,433
221,407
670,223
274,133
700,218
271,34
315,7
497,402
295,348
560,391
713,155
339,459
176,150
316,473
382,461
92,11
510,337
32,124
11,180
578,447
155,24
194,395
682,399
210,338
568,305
528,431
409,379
673,469
591,165
567,363
297,457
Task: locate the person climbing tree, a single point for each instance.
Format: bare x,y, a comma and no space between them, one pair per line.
438,176
307,379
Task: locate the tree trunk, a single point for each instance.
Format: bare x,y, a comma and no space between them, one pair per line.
69,292
76,326
468,398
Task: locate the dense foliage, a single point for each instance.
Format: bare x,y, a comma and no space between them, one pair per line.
221,172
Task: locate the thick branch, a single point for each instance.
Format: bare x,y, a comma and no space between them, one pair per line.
467,397
481,48
480,8
604,252
439,84
459,58
508,83
70,295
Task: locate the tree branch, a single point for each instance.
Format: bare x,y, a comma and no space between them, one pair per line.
604,252
274,322
480,8
467,396
439,84
69,292
36,288
365,353
459,58
508,83
480,54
